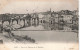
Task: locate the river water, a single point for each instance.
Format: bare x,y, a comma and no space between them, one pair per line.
46,27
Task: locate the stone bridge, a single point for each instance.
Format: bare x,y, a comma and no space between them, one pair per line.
26,19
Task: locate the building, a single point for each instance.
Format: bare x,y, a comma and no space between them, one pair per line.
75,20
67,19
66,12
40,15
55,17
46,18
51,20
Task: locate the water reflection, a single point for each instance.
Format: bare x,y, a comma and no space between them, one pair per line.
55,26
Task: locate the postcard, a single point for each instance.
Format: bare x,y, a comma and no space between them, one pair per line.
39,25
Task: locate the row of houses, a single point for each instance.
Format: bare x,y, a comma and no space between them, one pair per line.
65,17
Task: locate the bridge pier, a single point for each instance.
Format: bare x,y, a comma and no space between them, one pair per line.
1,22
11,22
25,22
36,21
19,21
42,21
31,22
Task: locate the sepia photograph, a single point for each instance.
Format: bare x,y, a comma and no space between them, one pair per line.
39,24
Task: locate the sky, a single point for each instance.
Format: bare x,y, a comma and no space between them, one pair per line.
30,6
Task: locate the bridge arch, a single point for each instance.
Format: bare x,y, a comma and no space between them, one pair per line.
14,21
21,22
5,23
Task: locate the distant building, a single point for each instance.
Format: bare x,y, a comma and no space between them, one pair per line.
51,20
66,12
75,20
67,19
47,16
75,12
55,17
60,20
40,15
